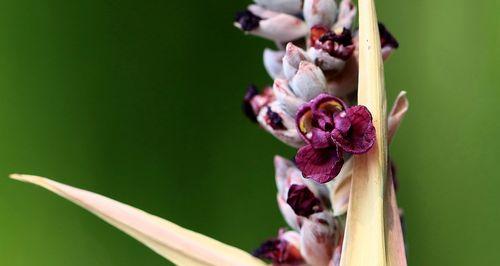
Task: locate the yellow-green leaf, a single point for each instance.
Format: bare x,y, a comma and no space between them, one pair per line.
177,244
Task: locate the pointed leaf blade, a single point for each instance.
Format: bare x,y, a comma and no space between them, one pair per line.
179,245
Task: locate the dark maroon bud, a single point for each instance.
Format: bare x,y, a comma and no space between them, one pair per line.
386,38
248,21
344,38
247,107
303,201
338,45
279,251
274,120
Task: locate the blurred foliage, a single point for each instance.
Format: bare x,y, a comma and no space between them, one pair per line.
140,101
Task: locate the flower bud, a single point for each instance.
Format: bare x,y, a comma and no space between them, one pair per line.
286,6
280,124
288,100
273,62
320,12
309,81
318,237
347,14
291,61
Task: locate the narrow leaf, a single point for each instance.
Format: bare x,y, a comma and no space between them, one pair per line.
179,245
394,240
395,245
364,237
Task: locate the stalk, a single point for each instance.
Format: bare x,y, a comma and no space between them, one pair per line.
364,237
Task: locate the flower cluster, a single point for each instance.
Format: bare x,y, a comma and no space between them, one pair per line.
317,58
311,106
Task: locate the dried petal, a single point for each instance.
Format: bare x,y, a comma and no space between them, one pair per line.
309,81
320,165
303,201
354,131
285,6
273,62
320,12
319,234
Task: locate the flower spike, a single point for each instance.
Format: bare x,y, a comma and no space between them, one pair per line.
179,245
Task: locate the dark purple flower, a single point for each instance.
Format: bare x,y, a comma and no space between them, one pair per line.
329,129
279,250
303,201
248,20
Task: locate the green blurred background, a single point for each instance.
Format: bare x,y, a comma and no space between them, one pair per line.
140,101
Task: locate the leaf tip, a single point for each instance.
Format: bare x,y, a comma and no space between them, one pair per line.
27,178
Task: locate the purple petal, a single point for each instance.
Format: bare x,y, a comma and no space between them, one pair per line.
320,165
317,112
361,135
328,103
320,139
303,201
342,123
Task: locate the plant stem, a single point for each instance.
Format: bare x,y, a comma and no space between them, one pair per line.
364,237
